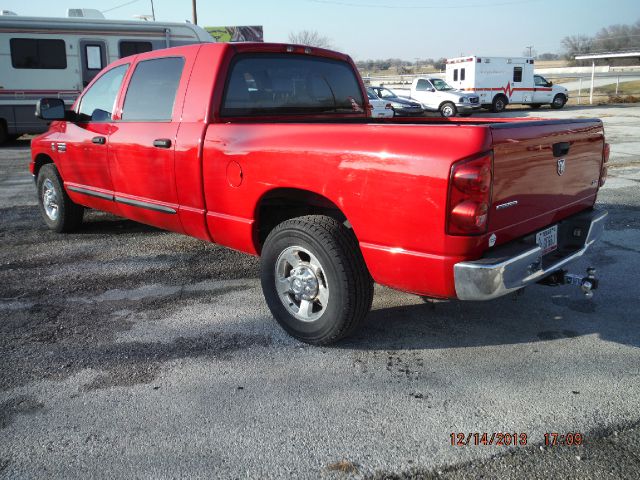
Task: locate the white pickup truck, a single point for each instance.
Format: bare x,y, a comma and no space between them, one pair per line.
437,95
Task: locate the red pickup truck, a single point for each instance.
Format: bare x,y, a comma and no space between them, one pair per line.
269,149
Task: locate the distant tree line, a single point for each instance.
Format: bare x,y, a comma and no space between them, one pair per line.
615,38
401,66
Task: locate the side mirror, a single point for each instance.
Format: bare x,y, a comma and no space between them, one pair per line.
50,109
550,84
432,89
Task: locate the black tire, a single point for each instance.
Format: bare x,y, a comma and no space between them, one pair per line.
67,215
499,103
535,106
342,273
558,101
448,109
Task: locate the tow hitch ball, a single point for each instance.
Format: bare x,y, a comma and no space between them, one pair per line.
587,284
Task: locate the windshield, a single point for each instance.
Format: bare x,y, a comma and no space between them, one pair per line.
440,85
371,95
386,93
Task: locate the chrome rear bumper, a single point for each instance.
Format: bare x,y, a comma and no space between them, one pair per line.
520,263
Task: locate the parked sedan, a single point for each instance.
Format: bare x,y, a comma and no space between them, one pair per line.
379,108
401,106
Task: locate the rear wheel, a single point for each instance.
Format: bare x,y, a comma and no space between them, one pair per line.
499,103
558,101
448,109
60,213
314,279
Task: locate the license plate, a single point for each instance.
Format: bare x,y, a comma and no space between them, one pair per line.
548,239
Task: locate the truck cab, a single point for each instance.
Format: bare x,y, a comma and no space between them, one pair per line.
437,95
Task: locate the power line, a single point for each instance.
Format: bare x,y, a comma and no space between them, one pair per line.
120,6
418,7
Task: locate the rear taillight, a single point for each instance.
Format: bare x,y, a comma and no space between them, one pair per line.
469,196
605,158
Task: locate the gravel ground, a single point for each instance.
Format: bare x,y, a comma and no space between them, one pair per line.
131,352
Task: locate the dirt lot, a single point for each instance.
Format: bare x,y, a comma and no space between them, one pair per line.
126,351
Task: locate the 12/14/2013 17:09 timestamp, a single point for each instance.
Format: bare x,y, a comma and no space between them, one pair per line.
507,439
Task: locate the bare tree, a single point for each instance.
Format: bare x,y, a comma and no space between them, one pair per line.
311,38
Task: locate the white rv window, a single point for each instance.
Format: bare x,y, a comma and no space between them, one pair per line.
455,75
461,74
133,48
38,53
94,57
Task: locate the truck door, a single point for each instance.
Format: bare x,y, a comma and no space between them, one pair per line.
142,143
83,144
93,56
542,91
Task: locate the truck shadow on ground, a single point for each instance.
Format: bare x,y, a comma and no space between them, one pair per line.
539,314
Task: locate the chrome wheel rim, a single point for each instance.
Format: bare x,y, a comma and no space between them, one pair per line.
557,101
50,200
499,105
301,284
447,111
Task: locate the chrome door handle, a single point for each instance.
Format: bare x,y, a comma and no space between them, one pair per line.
99,140
162,143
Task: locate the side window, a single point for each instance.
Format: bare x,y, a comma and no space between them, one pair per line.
264,84
38,53
94,57
462,74
132,48
455,75
422,84
97,103
517,74
152,90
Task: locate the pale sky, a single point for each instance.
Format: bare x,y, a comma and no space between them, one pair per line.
376,29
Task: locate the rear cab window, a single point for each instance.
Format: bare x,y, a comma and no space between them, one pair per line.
289,84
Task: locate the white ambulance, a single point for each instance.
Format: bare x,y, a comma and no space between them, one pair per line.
500,81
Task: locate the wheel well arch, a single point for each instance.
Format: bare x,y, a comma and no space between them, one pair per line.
446,101
41,160
280,204
500,95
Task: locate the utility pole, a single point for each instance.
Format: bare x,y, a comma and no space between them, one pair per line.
195,12
530,47
153,12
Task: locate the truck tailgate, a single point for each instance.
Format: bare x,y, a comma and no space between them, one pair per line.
544,171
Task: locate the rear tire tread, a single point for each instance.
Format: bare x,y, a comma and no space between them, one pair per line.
329,232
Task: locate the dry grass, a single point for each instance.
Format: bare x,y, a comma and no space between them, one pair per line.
343,466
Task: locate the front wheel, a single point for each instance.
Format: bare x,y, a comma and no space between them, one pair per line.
314,279
558,101
448,109
60,213
499,104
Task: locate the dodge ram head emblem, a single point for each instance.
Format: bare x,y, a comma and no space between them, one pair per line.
561,162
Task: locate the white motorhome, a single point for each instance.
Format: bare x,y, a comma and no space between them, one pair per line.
502,80
59,56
